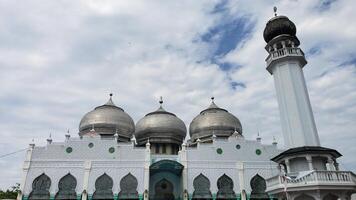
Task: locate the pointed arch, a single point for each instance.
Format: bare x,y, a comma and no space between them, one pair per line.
40,188
201,186
103,187
331,197
164,190
304,197
225,188
258,187
128,187
66,188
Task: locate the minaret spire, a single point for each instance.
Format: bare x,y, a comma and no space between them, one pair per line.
285,63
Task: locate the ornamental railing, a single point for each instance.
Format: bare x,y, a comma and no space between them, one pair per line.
312,178
283,52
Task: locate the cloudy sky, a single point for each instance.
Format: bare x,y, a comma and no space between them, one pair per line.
60,59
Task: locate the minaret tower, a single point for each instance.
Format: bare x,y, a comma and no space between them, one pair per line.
285,63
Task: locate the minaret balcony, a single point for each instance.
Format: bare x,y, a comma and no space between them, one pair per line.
308,180
284,54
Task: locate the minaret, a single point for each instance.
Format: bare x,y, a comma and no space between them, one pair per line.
285,63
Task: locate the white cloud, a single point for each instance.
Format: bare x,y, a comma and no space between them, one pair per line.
60,59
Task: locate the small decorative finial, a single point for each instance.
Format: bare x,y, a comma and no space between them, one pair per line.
212,99
110,94
274,141
161,100
275,11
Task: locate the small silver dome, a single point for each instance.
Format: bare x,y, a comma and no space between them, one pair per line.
160,126
214,120
107,120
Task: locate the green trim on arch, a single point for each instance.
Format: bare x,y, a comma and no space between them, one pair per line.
167,165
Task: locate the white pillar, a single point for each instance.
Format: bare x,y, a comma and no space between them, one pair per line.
240,170
287,165
87,168
331,164
184,162
26,167
146,181
310,162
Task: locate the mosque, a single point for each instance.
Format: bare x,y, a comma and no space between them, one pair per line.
114,158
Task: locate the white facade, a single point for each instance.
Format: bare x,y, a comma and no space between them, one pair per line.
86,163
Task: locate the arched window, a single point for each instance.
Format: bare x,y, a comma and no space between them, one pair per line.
40,188
103,188
331,197
66,188
225,188
258,186
304,197
128,187
201,186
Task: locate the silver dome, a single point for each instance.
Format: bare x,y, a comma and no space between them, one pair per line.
214,120
160,126
107,120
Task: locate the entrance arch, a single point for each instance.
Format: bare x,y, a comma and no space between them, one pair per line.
164,190
165,180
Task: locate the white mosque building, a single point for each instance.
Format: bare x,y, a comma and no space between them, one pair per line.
114,158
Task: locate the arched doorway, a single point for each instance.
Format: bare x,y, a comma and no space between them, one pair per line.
201,186
103,188
164,190
40,188
226,188
66,188
165,180
128,186
258,186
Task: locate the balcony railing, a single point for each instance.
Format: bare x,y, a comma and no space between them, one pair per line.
287,51
313,178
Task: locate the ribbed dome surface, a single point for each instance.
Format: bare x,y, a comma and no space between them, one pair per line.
160,126
107,120
214,120
279,25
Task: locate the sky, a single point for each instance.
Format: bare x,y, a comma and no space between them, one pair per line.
60,59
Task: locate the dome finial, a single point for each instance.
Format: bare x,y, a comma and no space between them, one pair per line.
212,99
160,100
110,96
275,11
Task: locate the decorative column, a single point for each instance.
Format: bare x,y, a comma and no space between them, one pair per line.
240,170
184,162
310,163
87,168
286,161
146,181
26,167
331,164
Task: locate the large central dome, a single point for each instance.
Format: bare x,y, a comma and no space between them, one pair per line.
214,121
160,126
107,120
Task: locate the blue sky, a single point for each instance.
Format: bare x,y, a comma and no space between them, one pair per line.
60,59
